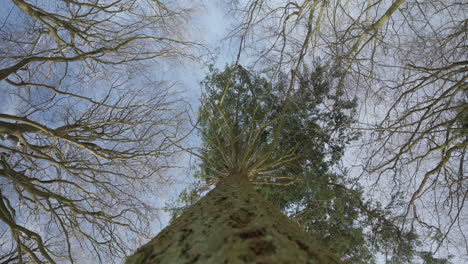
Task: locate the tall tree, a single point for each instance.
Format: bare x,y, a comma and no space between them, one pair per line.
78,140
233,223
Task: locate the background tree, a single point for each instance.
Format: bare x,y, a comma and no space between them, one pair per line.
78,139
406,62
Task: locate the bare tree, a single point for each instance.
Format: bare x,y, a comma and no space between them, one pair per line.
87,130
407,62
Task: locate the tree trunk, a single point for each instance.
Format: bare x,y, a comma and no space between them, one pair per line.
232,224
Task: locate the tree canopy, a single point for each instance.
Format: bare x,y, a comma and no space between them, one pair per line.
88,128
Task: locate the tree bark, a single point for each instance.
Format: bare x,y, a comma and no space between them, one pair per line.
232,224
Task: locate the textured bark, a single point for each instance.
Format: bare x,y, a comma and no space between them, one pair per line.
232,224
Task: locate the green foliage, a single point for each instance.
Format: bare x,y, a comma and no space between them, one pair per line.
428,258
234,121
308,120
186,199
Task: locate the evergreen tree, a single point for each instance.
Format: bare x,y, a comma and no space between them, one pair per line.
233,223
313,121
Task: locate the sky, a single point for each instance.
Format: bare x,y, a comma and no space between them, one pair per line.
210,26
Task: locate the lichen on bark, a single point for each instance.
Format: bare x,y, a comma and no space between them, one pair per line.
232,224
